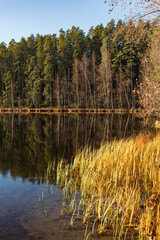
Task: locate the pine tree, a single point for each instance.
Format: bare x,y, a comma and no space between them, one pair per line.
8,92
39,69
75,84
69,64
3,68
37,83
49,69
40,53
21,52
29,81
11,74
61,51
97,42
77,36
78,42
48,80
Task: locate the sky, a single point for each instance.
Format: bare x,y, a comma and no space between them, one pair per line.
21,18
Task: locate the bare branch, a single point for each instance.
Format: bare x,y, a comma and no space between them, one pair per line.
142,8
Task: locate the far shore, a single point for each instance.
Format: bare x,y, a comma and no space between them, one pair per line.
51,110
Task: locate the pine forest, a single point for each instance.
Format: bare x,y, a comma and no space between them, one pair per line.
105,68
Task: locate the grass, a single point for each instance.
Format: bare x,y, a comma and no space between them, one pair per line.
119,187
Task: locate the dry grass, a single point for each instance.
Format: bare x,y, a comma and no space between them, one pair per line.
119,185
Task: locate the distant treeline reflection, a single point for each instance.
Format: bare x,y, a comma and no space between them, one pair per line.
29,143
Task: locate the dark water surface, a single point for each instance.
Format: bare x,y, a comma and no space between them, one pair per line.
29,209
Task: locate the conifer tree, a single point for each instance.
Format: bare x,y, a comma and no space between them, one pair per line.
31,42
69,64
49,69
39,69
3,66
97,42
29,81
37,83
61,51
75,85
21,52
8,92
11,73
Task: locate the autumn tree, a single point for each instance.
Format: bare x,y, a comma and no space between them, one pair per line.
149,89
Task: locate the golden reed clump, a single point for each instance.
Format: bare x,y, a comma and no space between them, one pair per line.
119,186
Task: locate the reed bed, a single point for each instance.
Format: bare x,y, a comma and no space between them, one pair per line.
119,187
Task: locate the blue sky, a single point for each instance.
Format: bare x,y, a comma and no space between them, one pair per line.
25,17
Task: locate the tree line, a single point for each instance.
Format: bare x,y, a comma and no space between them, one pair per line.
93,70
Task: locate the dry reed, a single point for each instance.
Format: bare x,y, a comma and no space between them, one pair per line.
119,187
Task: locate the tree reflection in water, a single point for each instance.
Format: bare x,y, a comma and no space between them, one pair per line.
29,142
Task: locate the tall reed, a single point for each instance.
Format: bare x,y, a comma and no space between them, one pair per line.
119,186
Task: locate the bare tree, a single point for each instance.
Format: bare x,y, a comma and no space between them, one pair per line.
139,8
88,98
106,77
94,78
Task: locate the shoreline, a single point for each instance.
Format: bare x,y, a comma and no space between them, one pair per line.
67,110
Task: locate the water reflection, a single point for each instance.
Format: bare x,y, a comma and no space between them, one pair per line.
28,143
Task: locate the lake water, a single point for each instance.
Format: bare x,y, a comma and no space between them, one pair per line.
29,208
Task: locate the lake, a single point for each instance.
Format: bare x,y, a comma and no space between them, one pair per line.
29,208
